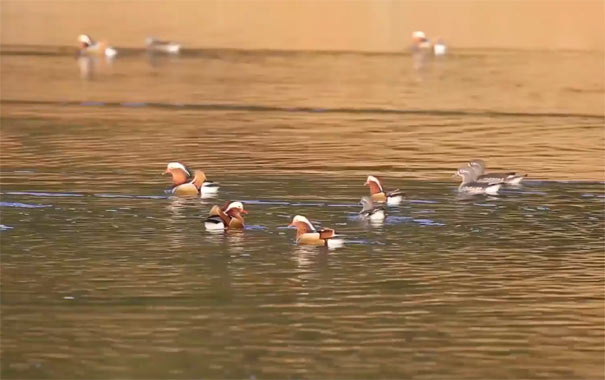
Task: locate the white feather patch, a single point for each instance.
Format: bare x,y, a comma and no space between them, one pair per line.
300,218
211,226
235,205
394,201
371,178
335,243
177,165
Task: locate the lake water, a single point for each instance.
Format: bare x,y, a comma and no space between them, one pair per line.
105,276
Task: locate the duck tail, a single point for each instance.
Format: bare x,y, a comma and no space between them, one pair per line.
515,178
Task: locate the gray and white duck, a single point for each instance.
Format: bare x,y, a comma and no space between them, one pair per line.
510,178
155,45
470,185
374,212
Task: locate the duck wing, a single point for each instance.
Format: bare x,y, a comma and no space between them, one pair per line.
326,233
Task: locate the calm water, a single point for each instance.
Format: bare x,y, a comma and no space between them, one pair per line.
104,276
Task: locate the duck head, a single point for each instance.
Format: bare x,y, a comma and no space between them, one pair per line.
468,174
418,38
179,172
84,40
477,165
234,209
374,184
302,225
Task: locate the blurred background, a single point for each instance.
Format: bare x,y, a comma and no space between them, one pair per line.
359,25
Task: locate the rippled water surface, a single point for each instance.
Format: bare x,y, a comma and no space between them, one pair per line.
106,276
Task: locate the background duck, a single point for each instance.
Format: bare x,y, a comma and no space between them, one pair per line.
186,182
470,186
392,198
306,234
89,46
158,46
420,41
511,178
227,218
370,210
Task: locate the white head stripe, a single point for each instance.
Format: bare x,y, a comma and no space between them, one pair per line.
177,165
300,218
418,34
371,178
84,39
235,205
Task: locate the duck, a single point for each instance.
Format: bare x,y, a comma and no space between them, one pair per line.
420,41
158,46
306,234
469,184
510,178
90,46
370,210
377,194
186,182
229,217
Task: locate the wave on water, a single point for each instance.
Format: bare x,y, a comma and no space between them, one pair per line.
286,109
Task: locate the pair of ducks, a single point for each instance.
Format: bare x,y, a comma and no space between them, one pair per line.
90,46
187,182
475,181
230,217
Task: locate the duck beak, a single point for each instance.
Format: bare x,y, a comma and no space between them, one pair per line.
166,172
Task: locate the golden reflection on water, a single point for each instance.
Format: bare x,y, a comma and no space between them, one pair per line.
103,275
422,147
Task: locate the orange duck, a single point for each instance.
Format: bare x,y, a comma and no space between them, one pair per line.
306,234
229,217
377,194
186,182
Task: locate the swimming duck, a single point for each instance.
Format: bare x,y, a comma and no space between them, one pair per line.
189,183
392,198
168,47
227,218
371,211
306,234
89,46
510,178
470,186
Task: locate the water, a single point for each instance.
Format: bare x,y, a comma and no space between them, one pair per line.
105,276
